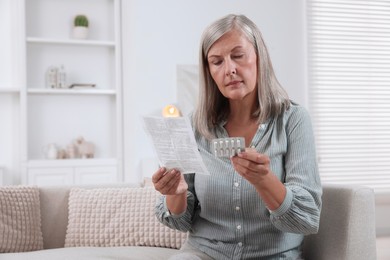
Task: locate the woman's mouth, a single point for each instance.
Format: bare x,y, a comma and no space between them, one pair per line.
233,83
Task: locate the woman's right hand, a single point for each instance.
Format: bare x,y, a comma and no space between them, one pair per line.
170,182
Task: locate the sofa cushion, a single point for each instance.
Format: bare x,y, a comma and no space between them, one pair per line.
117,217
20,219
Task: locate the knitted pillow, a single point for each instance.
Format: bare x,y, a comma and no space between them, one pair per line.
104,217
20,219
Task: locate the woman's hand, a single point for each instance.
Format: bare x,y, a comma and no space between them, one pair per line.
252,165
170,182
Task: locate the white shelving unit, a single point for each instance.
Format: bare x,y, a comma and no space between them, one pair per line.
60,116
71,42
72,91
46,172
5,90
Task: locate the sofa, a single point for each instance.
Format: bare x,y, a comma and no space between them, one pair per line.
347,228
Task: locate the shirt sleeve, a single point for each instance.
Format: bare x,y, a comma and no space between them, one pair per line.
183,221
301,208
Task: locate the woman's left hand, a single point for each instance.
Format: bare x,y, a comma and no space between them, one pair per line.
251,165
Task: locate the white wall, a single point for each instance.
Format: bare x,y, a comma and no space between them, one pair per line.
5,45
158,35
9,109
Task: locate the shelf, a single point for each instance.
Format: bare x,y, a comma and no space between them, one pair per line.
72,91
61,114
9,90
70,42
72,162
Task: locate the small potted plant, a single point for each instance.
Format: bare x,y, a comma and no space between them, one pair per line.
80,29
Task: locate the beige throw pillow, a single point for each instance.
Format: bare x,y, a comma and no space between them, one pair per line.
20,219
108,217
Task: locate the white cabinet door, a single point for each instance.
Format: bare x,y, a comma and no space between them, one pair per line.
95,175
50,176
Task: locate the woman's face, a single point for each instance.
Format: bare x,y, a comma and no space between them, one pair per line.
232,63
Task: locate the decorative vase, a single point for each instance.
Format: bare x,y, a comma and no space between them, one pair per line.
80,32
51,151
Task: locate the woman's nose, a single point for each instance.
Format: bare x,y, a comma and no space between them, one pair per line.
230,68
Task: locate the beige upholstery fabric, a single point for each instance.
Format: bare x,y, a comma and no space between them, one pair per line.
117,217
347,227
54,211
54,215
20,219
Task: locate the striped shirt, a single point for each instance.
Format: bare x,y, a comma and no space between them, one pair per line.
226,217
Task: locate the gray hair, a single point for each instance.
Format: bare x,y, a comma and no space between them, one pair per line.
212,106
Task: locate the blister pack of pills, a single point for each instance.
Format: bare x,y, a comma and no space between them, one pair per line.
228,147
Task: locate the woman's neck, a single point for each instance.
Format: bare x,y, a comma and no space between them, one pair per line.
241,112
241,121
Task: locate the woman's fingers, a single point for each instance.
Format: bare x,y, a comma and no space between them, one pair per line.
254,157
158,174
251,163
166,182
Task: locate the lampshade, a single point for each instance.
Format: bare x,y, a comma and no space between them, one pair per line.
170,111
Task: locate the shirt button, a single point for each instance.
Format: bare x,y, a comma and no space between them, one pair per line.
237,208
239,227
239,244
236,184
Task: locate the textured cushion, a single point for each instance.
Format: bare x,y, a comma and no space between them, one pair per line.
20,219
117,217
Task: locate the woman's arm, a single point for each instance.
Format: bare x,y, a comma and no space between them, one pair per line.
175,208
295,203
300,211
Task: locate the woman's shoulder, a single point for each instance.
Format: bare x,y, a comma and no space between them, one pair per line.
295,114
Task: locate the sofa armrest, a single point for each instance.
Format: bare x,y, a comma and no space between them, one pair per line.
347,225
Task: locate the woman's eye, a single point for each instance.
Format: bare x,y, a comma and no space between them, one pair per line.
216,62
238,56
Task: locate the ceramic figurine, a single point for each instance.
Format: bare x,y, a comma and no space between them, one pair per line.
85,149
